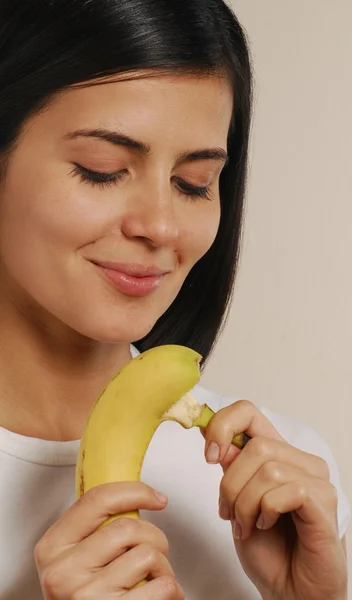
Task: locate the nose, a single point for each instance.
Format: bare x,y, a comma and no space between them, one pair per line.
150,215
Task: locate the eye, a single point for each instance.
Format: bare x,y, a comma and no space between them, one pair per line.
192,191
101,179
96,178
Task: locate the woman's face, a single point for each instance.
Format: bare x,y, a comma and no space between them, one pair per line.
110,197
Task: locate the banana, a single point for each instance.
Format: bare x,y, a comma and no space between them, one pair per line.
153,387
188,413
125,417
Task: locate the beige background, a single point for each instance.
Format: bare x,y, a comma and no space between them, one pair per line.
288,341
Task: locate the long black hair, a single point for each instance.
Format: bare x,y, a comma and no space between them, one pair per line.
48,45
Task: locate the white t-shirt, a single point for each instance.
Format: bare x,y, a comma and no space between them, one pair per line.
37,485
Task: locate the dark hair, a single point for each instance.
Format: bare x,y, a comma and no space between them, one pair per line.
47,45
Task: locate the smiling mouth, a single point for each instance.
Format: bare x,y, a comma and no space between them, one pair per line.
132,280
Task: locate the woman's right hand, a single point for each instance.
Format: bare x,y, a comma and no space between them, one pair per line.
77,561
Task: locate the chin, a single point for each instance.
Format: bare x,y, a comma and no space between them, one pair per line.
123,322
114,333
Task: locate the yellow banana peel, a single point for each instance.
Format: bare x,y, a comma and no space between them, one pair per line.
153,387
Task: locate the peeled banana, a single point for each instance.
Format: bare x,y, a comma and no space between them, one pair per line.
127,413
153,387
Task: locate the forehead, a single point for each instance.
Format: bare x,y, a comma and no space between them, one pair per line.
167,106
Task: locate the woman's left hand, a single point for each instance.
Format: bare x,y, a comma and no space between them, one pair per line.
282,506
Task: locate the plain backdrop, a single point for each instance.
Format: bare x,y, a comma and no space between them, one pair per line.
287,343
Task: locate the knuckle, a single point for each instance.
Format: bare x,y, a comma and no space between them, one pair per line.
226,488
51,582
150,556
301,490
259,446
152,532
96,495
170,587
271,471
323,468
103,496
163,542
125,527
246,405
145,488
39,553
145,491
83,594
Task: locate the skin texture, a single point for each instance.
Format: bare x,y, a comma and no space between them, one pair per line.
75,559
282,509
66,331
67,326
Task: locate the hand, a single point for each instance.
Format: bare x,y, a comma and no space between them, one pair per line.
77,560
282,507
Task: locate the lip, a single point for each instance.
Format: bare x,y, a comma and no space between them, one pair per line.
134,270
132,279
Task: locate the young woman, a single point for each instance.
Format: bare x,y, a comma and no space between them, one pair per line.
124,139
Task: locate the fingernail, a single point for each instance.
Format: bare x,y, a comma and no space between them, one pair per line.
237,530
261,522
224,510
161,497
213,453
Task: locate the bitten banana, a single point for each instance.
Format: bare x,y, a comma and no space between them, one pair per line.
123,420
152,388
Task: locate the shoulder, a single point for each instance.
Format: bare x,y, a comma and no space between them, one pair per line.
297,434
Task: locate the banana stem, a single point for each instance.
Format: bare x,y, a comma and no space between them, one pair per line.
240,440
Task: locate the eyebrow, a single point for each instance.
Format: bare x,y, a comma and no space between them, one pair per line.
119,139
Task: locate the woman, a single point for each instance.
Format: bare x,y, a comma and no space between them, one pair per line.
124,141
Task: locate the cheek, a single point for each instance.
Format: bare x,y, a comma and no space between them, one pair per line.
55,216
198,233
43,225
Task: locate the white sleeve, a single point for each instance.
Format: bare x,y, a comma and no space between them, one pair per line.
307,439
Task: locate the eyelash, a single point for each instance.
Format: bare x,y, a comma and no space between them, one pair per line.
104,180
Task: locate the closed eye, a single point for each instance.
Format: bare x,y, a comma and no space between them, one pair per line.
102,179
96,178
192,190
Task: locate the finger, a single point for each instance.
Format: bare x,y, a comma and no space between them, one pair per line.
308,501
131,568
163,588
242,416
256,454
87,514
270,476
229,457
231,454
76,566
110,542
244,506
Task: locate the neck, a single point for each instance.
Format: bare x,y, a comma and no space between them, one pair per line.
50,376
